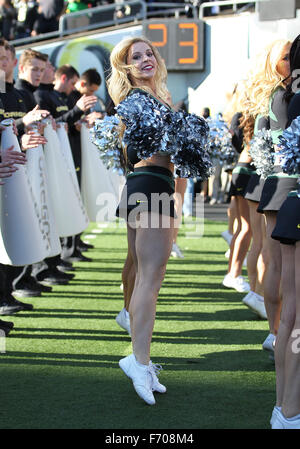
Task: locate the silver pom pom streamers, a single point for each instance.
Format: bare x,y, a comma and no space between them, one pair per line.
147,125
191,156
153,128
105,136
262,152
220,142
289,151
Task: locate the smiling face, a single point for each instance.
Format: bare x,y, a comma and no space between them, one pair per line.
142,58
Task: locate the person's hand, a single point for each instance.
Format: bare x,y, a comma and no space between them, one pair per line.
32,140
35,115
6,170
86,102
12,156
92,117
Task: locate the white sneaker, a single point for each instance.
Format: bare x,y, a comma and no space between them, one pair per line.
281,422
156,385
123,320
238,283
256,303
176,251
227,236
269,343
275,412
227,254
141,377
247,299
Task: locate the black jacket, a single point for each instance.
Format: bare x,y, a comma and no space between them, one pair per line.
57,104
14,106
26,90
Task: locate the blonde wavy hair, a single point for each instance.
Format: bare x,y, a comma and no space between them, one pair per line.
119,83
262,80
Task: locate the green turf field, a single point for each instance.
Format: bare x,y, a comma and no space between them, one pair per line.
60,369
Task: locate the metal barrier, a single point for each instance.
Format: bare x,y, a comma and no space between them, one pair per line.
102,16
233,3
134,11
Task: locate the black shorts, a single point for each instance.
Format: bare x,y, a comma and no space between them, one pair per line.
148,188
240,178
254,188
275,191
287,229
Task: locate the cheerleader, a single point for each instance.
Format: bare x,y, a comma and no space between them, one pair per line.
286,413
137,84
265,76
275,189
242,237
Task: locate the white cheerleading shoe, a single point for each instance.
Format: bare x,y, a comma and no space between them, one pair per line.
281,422
238,283
275,413
123,320
227,236
141,377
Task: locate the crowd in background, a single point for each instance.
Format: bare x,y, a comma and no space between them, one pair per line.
24,18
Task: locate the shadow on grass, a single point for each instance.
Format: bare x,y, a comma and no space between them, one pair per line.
239,360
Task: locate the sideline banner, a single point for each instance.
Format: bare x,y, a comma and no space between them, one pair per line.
69,212
36,171
100,187
21,241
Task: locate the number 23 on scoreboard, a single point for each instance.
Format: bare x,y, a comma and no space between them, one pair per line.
180,42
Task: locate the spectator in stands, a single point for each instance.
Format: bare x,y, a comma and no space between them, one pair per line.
27,11
76,5
50,12
8,17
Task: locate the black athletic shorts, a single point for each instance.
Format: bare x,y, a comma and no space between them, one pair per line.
240,178
287,229
276,189
254,188
148,188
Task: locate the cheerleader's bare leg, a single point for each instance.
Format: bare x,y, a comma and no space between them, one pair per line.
150,248
256,245
290,404
241,243
272,276
287,319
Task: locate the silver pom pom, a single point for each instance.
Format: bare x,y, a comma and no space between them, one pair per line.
105,136
220,142
289,145
153,128
262,152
